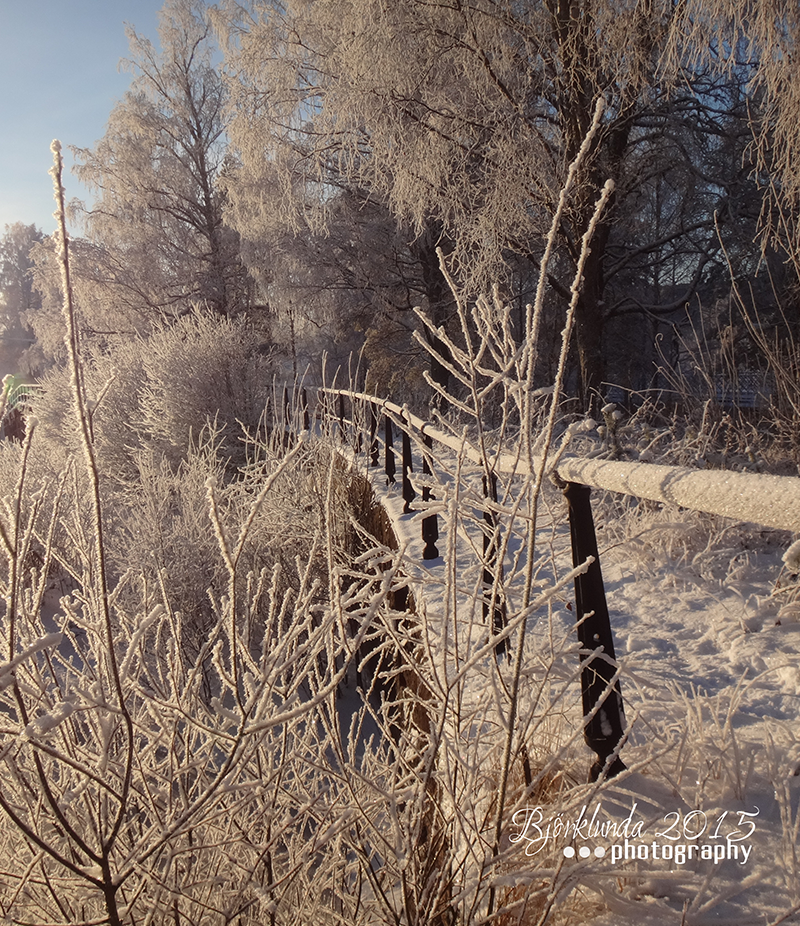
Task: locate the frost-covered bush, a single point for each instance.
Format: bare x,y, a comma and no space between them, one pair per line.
197,370
164,412
698,437
162,391
163,525
144,761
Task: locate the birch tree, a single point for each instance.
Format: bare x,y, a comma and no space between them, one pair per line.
157,242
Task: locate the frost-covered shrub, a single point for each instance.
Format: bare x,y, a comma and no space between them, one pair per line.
197,370
163,526
152,405
146,778
161,391
141,754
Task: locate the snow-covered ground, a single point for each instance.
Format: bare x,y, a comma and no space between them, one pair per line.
711,668
703,828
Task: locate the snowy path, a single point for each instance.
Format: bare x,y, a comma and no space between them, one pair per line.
711,679
705,625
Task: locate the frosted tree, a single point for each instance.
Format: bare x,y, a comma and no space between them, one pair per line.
346,287
156,239
328,248
464,119
759,40
18,298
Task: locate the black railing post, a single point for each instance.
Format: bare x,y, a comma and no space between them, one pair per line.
430,524
373,436
388,457
490,567
288,436
358,426
408,490
341,417
605,731
269,415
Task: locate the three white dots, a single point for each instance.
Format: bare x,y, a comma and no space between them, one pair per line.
583,852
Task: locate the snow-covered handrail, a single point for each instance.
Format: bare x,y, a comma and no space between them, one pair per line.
772,501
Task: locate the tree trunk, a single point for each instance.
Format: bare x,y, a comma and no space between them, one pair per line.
439,299
581,88
589,323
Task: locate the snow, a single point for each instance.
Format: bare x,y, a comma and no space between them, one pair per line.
49,721
709,651
773,501
48,641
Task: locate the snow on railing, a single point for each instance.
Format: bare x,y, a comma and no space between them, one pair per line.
773,501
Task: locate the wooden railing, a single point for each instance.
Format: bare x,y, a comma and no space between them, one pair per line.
772,501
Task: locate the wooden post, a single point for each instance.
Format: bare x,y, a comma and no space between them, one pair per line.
490,567
388,457
288,436
373,436
269,415
341,417
304,402
605,731
430,524
408,490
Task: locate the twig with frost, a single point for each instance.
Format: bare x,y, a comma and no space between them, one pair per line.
534,499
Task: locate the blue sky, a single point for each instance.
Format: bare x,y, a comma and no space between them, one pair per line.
59,78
